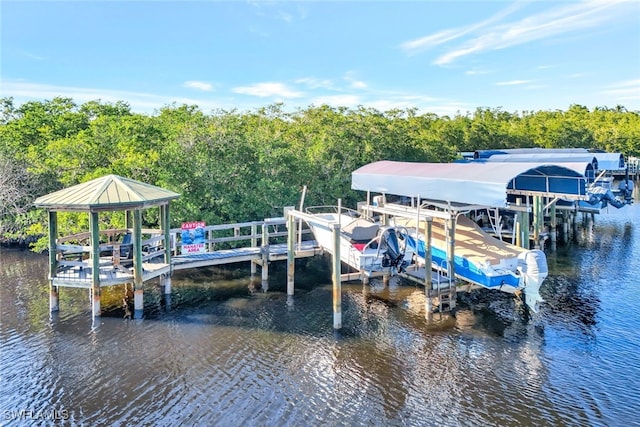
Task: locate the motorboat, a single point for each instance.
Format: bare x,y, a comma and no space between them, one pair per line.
365,245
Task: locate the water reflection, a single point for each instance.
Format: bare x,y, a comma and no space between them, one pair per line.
221,352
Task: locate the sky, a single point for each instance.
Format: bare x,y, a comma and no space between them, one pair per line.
441,57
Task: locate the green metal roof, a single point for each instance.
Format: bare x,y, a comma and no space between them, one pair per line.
111,192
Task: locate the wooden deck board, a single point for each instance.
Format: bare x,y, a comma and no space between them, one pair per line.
82,277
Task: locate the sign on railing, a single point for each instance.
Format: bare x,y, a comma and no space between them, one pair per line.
193,237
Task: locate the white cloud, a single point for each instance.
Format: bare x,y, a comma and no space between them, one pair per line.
354,83
268,89
490,34
338,100
286,17
413,46
315,83
624,90
31,55
476,72
513,82
195,84
141,102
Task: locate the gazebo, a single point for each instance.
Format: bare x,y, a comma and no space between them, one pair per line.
131,260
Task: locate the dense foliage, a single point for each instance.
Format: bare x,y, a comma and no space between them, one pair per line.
232,166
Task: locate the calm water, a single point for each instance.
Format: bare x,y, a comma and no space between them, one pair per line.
224,356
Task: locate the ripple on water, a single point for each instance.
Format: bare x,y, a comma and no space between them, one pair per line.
226,356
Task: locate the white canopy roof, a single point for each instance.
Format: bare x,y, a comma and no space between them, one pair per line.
601,161
472,183
610,161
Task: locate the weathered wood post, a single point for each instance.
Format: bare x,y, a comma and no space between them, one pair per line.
553,226
264,251
525,227
53,261
518,224
291,252
538,221
337,284
254,244
574,223
138,293
165,225
95,264
565,227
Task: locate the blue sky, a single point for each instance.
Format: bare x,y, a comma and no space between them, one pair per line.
441,57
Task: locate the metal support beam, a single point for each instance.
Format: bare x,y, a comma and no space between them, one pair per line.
428,278
451,245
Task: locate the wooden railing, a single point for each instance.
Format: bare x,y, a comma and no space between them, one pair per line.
238,235
75,250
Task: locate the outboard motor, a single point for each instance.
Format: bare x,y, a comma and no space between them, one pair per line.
626,190
393,256
532,265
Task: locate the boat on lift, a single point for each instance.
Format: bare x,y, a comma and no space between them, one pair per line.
365,246
481,259
464,251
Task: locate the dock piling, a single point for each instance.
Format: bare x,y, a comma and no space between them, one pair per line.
53,299
337,284
553,226
291,253
138,294
254,243
95,264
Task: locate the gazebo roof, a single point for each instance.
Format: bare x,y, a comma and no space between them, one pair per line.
110,192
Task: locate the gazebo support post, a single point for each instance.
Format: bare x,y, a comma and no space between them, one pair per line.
53,262
95,264
164,225
138,293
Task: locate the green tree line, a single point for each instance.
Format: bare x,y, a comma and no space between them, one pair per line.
232,166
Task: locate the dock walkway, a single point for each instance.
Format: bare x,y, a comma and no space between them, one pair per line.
75,266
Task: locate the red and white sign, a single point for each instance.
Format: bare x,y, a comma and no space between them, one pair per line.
193,237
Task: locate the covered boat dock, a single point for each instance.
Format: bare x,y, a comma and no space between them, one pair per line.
452,188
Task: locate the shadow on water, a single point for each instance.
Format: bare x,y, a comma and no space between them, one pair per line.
227,353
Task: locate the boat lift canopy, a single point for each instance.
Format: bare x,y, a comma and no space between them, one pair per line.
473,183
484,154
601,161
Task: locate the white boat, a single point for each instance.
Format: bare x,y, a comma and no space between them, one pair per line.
365,246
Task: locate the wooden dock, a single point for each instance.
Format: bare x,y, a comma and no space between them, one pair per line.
255,246
257,242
